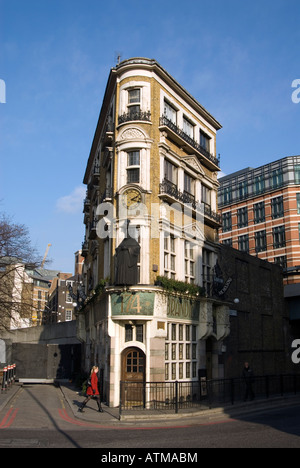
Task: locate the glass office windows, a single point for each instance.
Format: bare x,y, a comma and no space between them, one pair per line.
226,222
279,237
243,242
277,207
259,212
260,241
242,217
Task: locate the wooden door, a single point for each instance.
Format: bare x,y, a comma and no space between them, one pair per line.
133,376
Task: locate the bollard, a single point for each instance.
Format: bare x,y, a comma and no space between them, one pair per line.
14,373
8,376
4,383
2,379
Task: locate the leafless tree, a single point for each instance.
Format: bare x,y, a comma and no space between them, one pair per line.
16,255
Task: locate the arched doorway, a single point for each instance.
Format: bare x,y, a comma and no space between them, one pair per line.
133,375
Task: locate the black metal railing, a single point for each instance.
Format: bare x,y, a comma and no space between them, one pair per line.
131,116
164,121
203,394
169,188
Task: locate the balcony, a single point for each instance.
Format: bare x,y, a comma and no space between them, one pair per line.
84,248
107,156
93,229
212,215
170,192
179,135
109,132
107,195
96,173
133,116
86,205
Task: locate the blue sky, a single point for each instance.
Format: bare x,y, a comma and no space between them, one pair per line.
237,58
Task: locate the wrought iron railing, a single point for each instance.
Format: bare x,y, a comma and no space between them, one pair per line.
202,394
131,116
169,188
164,121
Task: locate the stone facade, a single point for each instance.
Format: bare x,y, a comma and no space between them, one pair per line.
152,161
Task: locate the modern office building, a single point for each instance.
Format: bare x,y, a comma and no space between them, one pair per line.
153,162
260,211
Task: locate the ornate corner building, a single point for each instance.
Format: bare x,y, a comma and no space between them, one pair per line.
153,163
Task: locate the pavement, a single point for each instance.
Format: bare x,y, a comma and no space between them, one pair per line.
111,417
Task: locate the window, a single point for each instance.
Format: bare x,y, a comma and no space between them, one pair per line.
242,190
169,257
170,172
189,262
173,332
277,207
133,167
134,362
206,195
134,158
205,141
277,178
242,217
134,333
226,222
243,242
181,352
170,112
188,127
282,261
189,184
279,237
259,185
139,330
298,203
260,241
206,270
227,242
128,332
134,99
227,195
297,174
68,315
259,212
68,297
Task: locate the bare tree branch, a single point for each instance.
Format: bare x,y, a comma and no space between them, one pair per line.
16,252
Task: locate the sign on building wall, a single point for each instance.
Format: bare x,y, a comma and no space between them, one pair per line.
182,308
139,303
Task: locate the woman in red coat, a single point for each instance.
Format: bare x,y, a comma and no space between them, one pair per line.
92,390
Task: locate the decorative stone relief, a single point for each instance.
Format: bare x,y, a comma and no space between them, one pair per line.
132,134
205,320
223,323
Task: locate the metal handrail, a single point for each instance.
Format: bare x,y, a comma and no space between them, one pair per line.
202,394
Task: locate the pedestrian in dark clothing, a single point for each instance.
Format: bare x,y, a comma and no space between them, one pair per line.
92,390
248,378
